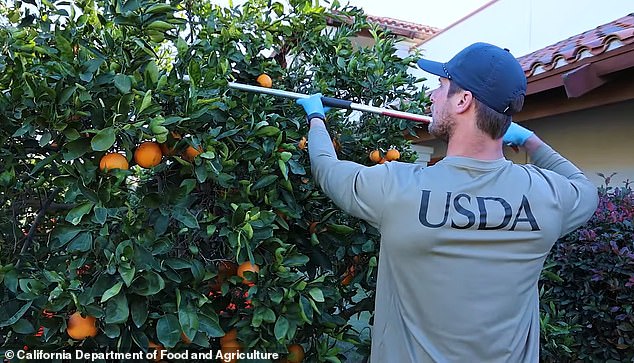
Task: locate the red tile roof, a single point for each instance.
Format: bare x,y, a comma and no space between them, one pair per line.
591,43
404,28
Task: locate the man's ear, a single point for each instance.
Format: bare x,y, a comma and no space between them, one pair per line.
464,100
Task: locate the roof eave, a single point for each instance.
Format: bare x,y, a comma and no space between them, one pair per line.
585,75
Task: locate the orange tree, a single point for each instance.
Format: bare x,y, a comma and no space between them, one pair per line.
151,252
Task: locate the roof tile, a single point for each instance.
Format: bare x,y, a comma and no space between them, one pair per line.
405,28
593,42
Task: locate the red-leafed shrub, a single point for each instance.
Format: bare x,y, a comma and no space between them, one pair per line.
588,286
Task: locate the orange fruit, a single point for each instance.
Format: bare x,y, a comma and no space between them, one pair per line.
302,143
231,347
225,269
148,155
392,154
167,148
191,153
229,337
80,328
348,276
337,145
281,214
247,266
264,80
295,353
112,161
157,347
185,339
375,156
312,228
382,161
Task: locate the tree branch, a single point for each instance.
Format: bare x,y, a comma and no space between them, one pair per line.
364,305
38,218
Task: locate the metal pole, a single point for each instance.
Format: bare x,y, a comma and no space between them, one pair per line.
334,102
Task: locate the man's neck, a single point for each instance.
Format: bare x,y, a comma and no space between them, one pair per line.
474,144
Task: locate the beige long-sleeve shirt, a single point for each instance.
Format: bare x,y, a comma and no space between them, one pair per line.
462,246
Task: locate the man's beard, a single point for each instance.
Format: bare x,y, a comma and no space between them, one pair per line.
442,126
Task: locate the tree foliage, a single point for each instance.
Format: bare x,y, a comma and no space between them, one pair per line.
145,250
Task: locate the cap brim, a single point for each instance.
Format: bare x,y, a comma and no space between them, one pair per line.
432,67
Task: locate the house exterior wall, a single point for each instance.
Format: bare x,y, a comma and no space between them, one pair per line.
597,140
522,26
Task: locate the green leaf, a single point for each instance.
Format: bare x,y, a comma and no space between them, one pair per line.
22,130
285,156
75,215
276,296
123,83
63,45
101,214
87,192
147,101
152,71
103,140
160,25
62,235
149,283
177,263
117,310
281,328
305,310
12,310
552,276
114,290
316,294
76,148
184,216
188,320
262,314
45,139
264,181
139,310
127,274
66,94
340,229
143,259
283,169
296,260
158,8
81,243
268,131
112,330
210,325
23,326
168,330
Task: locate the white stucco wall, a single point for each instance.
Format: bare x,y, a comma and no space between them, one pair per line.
522,26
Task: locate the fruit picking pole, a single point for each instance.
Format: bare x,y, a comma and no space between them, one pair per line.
334,102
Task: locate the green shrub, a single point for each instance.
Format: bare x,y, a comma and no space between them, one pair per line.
588,286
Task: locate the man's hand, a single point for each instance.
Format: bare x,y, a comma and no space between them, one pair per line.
517,135
313,106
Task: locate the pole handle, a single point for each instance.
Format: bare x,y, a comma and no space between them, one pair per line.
336,102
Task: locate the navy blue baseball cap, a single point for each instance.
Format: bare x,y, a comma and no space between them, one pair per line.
490,73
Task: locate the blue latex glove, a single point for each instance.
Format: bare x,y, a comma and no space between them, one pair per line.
313,106
516,135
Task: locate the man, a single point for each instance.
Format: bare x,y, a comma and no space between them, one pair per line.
462,242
